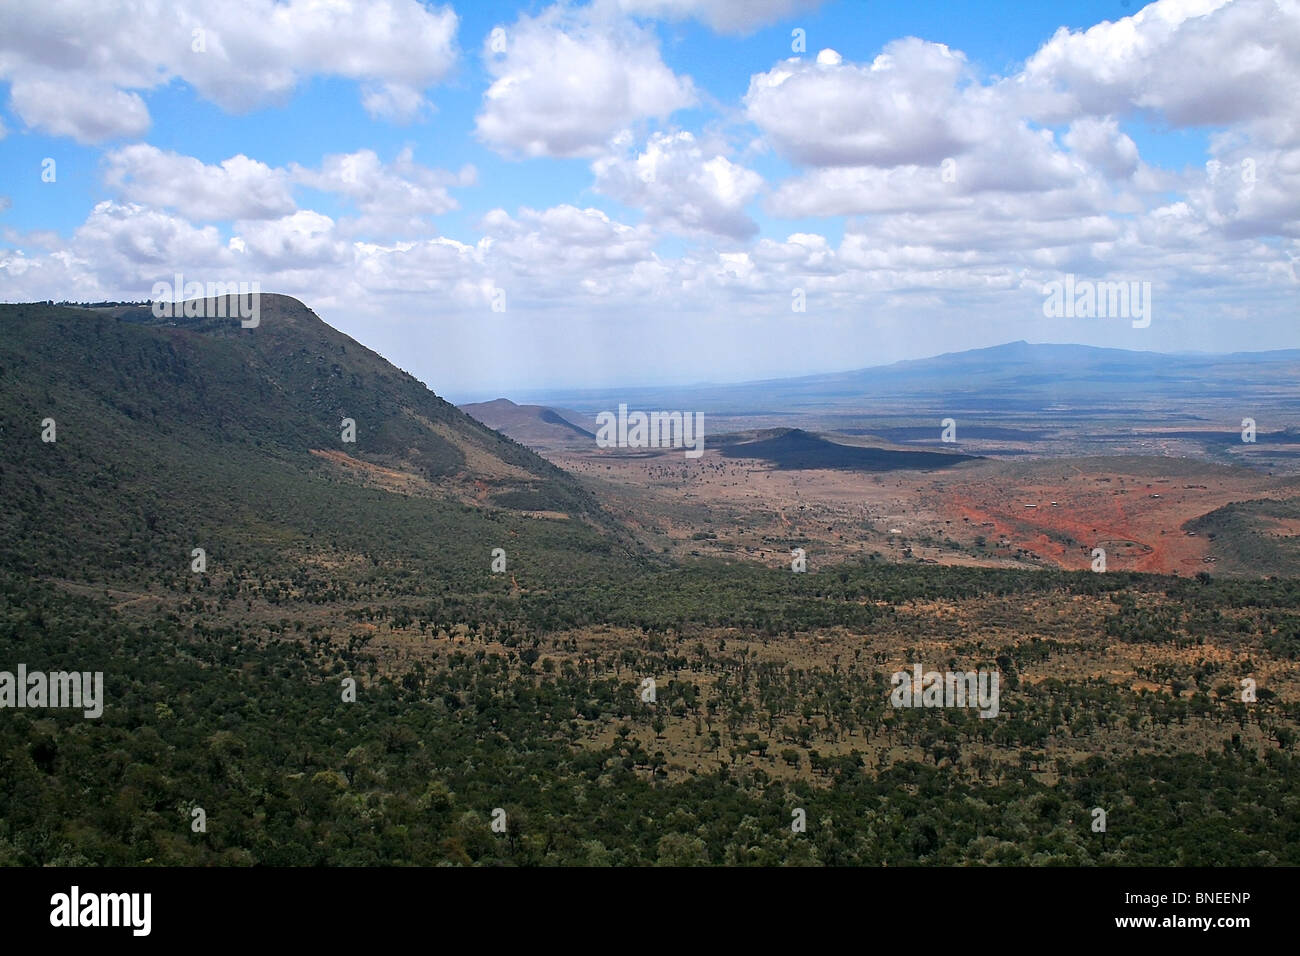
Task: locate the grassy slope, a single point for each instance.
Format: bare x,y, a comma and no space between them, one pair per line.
200,434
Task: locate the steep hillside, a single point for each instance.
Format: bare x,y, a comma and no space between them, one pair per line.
171,432
536,426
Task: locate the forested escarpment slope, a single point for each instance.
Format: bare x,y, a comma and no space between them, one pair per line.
170,434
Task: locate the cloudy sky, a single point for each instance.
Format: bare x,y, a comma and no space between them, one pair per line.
647,189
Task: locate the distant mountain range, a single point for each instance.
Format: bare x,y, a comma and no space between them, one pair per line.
1059,370
1016,377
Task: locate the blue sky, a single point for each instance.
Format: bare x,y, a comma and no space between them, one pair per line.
325,114
652,184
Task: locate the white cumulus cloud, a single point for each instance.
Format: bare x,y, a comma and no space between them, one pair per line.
76,67
568,80
904,107
682,186
237,188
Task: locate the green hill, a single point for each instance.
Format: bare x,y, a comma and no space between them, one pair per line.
175,434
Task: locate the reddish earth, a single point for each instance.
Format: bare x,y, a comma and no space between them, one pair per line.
1136,509
1137,518
1157,544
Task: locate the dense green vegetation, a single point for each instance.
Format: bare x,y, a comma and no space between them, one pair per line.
1251,534
249,725
160,425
